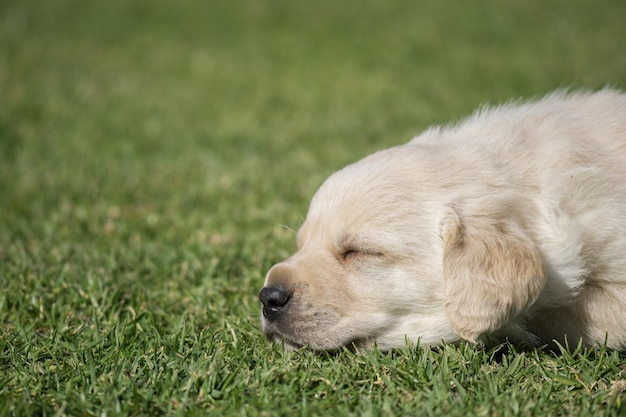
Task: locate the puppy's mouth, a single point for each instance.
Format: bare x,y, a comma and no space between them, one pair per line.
322,328
289,344
352,345
278,337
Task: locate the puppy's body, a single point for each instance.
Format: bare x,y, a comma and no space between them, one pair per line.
511,224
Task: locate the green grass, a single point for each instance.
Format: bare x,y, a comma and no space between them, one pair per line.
155,156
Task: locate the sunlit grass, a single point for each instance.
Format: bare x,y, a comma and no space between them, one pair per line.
155,159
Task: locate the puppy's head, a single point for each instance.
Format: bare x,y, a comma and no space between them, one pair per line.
382,258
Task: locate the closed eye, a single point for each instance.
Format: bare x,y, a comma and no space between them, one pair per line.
350,254
352,249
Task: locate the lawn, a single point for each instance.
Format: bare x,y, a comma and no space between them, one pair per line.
156,158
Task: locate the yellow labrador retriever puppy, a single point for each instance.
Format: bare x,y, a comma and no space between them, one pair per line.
509,225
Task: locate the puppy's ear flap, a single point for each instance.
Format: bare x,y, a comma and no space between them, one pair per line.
491,272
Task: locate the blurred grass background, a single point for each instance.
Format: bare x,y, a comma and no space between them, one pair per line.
155,155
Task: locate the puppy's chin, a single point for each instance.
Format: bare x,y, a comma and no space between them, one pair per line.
273,334
292,345
317,344
352,346
287,344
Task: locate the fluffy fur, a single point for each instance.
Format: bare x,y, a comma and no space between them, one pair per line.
509,225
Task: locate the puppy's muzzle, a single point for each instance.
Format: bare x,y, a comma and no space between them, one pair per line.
275,301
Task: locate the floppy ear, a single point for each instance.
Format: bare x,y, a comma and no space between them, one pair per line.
492,271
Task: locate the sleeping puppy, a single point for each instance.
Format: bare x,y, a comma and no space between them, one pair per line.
508,226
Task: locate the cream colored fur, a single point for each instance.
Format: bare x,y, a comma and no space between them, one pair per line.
509,225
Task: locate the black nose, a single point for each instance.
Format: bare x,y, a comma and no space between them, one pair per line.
274,300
